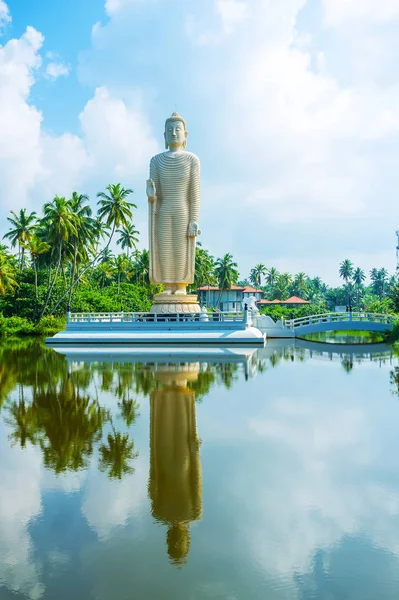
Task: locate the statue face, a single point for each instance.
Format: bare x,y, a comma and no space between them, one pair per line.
175,134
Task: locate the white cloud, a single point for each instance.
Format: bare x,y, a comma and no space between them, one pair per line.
305,125
5,16
121,500
20,503
56,69
231,13
20,123
114,6
115,143
117,135
341,11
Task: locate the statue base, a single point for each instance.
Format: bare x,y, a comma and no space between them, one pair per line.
167,304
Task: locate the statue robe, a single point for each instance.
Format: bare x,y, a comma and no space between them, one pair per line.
177,183
175,485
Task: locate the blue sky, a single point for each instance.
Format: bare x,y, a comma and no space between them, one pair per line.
292,107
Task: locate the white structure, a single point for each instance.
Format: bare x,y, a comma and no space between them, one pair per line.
159,329
231,300
173,191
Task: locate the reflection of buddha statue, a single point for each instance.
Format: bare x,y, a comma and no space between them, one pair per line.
173,192
175,487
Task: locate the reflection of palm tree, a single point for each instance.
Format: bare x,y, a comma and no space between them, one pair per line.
117,454
227,374
129,410
394,379
23,421
347,364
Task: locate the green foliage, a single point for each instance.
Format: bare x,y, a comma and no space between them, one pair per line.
21,326
278,311
384,306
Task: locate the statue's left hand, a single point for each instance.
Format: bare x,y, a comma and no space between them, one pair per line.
193,229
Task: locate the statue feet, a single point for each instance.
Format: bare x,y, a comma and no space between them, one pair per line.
180,290
167,292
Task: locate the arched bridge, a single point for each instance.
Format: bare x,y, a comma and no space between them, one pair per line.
351,321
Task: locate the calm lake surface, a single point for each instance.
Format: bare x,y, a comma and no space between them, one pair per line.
271,475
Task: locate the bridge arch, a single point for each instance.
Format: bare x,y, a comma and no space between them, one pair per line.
355,321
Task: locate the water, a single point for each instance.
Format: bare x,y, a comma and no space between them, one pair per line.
271,475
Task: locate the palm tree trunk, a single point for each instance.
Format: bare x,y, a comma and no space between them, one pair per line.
75,254
53,282
84,271
36,291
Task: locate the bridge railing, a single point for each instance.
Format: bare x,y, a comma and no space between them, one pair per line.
354,317
145,317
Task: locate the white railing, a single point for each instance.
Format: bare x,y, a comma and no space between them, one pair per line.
145,317
352,317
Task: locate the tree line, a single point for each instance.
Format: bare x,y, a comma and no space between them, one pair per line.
65,257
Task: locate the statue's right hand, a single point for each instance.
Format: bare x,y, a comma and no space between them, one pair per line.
151,191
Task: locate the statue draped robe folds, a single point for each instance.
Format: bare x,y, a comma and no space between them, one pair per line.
176,177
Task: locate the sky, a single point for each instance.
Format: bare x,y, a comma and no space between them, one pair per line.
292,107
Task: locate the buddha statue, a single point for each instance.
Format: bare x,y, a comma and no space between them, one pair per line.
175,484
173,191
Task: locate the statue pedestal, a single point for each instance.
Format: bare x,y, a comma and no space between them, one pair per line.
167,304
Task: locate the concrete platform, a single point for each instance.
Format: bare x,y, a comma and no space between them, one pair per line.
248,336
137,329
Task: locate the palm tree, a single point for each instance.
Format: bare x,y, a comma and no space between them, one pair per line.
281,288
379,279
142,267
359,277
204,269
88,232
271,277
36,248
122,267
128,237
346,272
115,211
256,274
226,272
62,223
105,273
7,274
300,283
23,228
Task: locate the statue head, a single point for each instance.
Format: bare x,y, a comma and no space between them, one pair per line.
178,541
175,132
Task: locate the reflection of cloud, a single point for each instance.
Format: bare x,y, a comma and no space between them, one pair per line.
20,503
312,489
119,499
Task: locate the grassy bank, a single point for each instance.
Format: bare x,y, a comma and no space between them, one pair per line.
21,327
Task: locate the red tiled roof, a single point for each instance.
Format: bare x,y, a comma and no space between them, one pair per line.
295,300
292,300
264,301
249,288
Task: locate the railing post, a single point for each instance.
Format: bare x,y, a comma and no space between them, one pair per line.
68,315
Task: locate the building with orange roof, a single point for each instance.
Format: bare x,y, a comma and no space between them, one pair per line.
292,302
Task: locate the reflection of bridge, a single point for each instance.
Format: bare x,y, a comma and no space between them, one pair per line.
351,321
